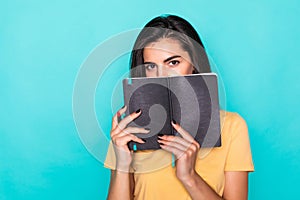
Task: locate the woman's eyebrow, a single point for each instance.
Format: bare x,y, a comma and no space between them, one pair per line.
168,59
148,63
172,57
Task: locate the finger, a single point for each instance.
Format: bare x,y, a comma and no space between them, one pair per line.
135,130
115,117
123,140
175,139
183,132
124,122
179,146
129,130
174,150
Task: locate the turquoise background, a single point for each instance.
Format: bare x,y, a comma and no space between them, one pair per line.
255,45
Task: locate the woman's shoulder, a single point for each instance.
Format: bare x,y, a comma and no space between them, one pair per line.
236,143
232,123
230,117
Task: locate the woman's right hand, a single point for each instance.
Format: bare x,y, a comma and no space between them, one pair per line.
121,134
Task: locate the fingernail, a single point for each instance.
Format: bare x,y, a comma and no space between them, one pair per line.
118,114
139,110
160,135
160,141
174,122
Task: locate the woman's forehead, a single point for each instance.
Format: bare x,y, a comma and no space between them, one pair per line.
163,48
165,44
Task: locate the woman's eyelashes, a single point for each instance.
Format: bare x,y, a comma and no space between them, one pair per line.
152,66
174,63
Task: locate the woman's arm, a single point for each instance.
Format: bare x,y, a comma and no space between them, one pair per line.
185,149
236,187
121,180
199,189
121,185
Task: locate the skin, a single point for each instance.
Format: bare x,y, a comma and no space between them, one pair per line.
166,58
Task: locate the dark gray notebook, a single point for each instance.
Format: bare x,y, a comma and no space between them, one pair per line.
192,101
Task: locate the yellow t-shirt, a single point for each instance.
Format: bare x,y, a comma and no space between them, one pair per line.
155,177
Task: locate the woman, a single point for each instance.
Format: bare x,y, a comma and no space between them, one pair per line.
169,45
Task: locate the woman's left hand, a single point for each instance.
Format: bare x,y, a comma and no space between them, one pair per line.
185,149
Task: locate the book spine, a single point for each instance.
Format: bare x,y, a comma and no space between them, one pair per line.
125,93
170,104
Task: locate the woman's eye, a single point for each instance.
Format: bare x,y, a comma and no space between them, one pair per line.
150,66
174,62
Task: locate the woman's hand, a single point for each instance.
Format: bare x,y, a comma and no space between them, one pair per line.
121,134
185,149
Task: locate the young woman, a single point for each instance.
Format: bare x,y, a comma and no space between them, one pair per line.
169,45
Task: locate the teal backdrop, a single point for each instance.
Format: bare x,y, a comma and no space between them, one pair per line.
255,45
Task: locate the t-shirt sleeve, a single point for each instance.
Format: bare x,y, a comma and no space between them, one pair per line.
110,161
239,157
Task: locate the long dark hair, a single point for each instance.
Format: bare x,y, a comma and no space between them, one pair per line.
173,27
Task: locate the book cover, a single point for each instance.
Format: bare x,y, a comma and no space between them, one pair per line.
191,100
